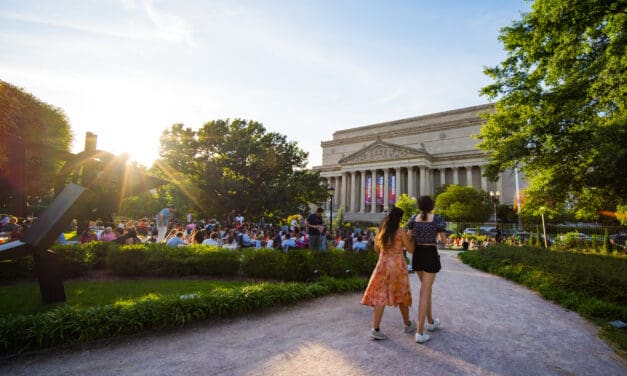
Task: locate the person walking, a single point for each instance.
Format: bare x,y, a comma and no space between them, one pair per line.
425,229
389,283
163,220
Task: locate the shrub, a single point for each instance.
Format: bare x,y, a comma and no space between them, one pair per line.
161,260
66,324
591,276
263,263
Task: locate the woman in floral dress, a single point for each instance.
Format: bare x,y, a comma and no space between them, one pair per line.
389,283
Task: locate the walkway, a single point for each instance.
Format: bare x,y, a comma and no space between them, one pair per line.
490,326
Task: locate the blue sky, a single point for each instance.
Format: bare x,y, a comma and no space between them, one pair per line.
128,69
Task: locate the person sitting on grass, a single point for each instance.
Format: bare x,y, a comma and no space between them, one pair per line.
176,241
120,234
88,235
360,245
108,235
288,243
131,237
212,240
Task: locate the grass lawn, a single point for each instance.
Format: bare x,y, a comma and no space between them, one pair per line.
24,298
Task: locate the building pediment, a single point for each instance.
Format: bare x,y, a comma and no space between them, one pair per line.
383,151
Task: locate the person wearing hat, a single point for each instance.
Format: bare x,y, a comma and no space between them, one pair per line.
163,220
315,228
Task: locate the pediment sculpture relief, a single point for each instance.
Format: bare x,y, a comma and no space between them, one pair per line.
380,151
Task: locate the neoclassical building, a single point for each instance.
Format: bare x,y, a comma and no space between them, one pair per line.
370,166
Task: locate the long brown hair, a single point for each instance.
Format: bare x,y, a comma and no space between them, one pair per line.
425,204
389,226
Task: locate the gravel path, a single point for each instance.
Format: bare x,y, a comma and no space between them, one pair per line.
490,326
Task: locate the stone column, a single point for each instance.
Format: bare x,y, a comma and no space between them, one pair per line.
362,192
469,176
336,194
423,181
442,176
353,192
455,175
373,191
484,180
386,187
411,191
344,193
397,181
431,185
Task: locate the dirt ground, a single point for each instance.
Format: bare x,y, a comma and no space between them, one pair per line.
490,326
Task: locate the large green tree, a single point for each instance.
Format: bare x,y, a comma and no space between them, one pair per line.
237,164
464,204
560,114
33,134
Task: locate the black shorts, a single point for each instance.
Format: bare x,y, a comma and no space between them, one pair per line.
426,258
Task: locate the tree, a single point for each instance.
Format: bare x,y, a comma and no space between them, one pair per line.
464,204
34,139
560,114
237,165
409,206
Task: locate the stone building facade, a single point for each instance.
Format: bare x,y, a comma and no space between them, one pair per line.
369,167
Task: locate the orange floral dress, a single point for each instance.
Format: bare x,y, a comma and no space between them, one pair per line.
389,283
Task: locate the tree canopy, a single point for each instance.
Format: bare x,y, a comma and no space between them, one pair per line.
35,131
560,111
463,204
237,165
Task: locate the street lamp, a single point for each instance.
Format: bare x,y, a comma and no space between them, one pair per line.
331,190
494,197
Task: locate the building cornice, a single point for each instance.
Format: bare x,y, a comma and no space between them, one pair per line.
422,128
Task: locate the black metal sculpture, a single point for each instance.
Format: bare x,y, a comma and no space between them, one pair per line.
39,237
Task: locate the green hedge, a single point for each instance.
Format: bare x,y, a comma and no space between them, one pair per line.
598,276
68,324
160,260
163,261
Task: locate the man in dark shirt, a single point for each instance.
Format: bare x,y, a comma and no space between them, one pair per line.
314,229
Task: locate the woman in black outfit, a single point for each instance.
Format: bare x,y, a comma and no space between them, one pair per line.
425,229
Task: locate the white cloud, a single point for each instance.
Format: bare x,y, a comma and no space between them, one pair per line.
145,23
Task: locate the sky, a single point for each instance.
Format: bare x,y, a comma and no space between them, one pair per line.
127,70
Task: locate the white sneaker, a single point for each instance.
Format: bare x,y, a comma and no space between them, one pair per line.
377,334
434,326
422,338
411,327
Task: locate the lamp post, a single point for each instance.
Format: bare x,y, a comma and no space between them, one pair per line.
542,210
494,197
331,190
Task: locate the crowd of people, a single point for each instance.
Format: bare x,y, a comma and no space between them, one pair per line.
234,232
12,228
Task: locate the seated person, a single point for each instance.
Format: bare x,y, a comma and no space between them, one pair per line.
288,243
108,235
213,239
360,245
231,241
88,235
176,241
465,244
131,237
244,238
120,234
199,236
348,242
